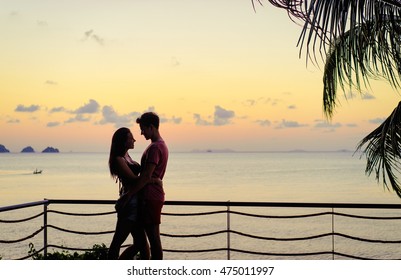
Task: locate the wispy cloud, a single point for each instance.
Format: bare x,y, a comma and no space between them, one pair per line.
327,126
12,121
377,120
90,35
289,124
57,110
41,23
51,83
263,122
201,121
368,96
53,124
363,96
175,62
261,100
78,118
173,119
27,109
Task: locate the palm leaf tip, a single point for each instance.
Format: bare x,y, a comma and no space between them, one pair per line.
382,151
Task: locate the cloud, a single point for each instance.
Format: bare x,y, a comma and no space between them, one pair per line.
261,100
98,39
263,122
176,120
95,37
13,121
200,121
364,96
78,118
173,119
53,124
250,102
57,109
41,23
89,108
292,107
289,124
377,120
368,96
111,116
175,62
51,83
325,124
27,109
221,117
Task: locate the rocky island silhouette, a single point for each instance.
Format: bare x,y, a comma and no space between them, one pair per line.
29,149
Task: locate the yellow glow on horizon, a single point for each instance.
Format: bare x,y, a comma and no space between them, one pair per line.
221,75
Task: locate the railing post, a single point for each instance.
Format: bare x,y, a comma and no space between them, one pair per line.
45,228
228,230
332,232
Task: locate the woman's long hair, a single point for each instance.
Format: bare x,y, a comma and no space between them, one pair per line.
118,149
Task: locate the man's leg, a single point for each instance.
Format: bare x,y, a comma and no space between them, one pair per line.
153,233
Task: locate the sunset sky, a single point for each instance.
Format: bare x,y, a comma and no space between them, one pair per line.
219,74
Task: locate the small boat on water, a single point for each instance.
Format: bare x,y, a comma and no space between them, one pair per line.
37,171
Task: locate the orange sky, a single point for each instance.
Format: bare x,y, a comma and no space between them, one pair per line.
220,76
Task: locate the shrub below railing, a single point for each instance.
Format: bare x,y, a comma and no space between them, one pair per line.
98,252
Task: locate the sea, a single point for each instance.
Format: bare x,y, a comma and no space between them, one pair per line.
298,176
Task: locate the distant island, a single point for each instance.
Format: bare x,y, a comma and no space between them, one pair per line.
28,149
3,149
213,151
50,150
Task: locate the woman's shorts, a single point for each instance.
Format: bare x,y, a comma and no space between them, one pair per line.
130,211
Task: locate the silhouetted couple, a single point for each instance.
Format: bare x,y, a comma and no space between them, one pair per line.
141,190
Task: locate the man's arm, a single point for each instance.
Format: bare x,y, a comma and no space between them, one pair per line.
144,178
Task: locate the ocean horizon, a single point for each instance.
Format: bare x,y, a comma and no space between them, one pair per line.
294,175
307,177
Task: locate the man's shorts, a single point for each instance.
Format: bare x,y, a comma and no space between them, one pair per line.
151,212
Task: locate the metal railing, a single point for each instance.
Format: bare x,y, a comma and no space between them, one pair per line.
323,210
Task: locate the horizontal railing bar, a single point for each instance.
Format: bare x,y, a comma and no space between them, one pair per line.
23,205
81,201
214,203
284,204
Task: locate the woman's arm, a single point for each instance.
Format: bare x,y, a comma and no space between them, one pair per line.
125,172
145,178
132,181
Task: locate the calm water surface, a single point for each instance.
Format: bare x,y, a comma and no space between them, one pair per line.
269,177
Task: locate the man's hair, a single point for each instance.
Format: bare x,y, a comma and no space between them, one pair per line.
149,118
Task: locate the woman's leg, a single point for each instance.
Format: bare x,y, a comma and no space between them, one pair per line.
140,245
123,228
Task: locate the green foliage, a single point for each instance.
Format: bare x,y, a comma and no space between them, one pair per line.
98,252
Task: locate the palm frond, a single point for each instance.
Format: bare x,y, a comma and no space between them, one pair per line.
369,51
326,20
383,151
